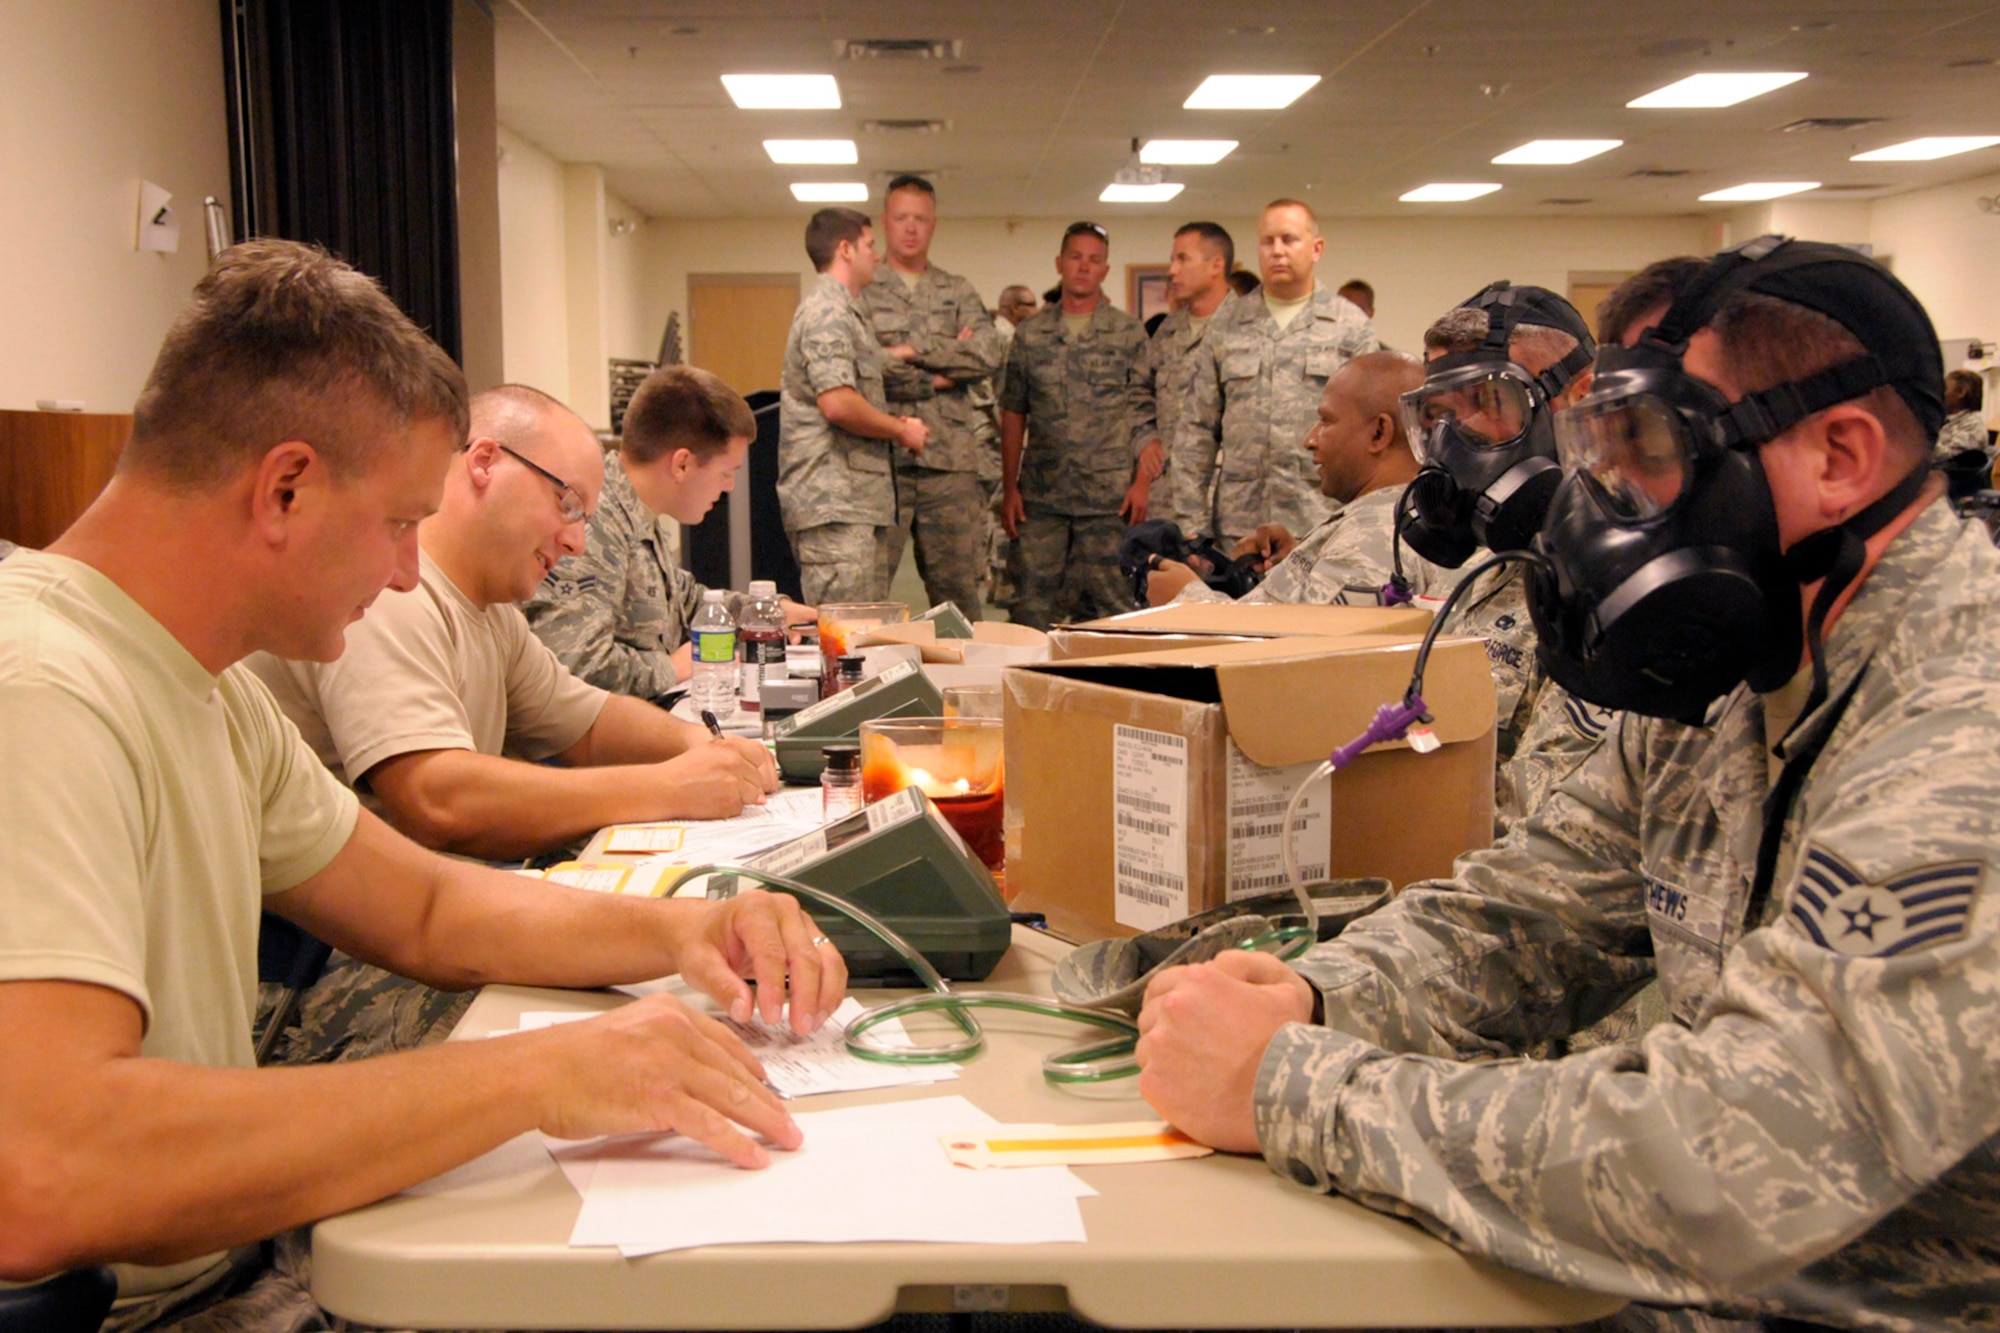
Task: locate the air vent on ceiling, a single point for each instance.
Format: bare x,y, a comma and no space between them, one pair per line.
916,126
1567,203
1851,189
898,48
1813,123
1659,173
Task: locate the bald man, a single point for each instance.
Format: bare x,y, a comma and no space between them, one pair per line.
1016,304
1364,461
444,695
1257,387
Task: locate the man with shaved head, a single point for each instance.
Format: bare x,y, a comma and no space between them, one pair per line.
1364,461
1257,388
444,695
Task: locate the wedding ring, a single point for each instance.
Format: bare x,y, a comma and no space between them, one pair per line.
818,940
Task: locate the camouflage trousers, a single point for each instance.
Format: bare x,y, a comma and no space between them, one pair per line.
1002,573
946,513
1069,568
356,1010
843,562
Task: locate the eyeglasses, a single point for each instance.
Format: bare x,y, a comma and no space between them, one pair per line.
1079,228
566,494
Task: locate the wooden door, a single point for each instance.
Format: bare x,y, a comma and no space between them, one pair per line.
52,465
737,324
1588,290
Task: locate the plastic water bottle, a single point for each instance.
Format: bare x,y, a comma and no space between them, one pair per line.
713,635
760,633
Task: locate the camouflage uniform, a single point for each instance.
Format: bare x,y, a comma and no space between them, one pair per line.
1255,394
1962,431
615,614
939,498
1075,469
1543,732
837,491
1160,405
1817,1136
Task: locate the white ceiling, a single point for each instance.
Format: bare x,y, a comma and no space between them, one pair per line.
1045,96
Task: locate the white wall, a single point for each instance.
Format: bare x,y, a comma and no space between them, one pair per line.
1419,267
1948,252
96,95
534,293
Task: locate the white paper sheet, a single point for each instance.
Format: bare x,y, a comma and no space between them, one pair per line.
869,1173
800,1066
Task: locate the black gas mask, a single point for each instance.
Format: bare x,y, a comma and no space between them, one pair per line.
1481,428
1666,584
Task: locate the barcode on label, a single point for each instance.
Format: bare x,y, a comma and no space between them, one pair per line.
1258,798
1149,816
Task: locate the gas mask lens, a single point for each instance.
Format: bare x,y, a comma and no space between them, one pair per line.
1632,450
1487,408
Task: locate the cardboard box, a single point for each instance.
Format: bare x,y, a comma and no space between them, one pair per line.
1195,624
1145,787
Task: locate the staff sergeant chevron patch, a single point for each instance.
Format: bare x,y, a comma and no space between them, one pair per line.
1919,908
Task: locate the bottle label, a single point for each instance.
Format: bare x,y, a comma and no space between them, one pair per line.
714,645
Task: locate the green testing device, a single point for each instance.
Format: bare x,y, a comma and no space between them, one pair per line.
901,691
899,860
950,621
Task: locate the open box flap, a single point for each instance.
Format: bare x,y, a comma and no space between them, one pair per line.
1282,703
1269,619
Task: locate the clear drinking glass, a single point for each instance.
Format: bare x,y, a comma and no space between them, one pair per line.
956,761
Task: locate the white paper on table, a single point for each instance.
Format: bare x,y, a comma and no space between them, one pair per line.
866,1173
805,1066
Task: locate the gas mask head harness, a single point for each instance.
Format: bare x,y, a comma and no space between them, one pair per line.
1480,427
1664,584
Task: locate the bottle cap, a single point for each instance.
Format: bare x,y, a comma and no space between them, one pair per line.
763,588
842,758
711,594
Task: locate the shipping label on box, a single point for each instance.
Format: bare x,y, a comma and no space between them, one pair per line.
1149,827
1257,799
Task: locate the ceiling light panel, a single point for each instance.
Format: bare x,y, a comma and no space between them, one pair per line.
1758,190
1446,193
812,152
1249,92
1555,152
783,92
1140,194
1927,150
830,192
1187,152
1714,90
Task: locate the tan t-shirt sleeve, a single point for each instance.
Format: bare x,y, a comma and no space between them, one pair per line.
71,903
549,708
394,690
307,815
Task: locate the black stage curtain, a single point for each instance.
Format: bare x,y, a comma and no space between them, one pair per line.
341,133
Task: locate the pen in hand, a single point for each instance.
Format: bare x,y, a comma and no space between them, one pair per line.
714,727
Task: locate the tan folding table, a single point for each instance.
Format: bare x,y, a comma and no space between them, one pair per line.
1218,1242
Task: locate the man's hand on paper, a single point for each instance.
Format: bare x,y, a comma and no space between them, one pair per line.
1202,1034
656,1065
716,778
765,938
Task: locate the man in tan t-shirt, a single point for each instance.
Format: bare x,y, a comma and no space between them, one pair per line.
444,694
292,434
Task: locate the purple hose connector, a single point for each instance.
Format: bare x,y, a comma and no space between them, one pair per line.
1391,721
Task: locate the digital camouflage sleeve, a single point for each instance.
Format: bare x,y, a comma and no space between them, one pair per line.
1815,1136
